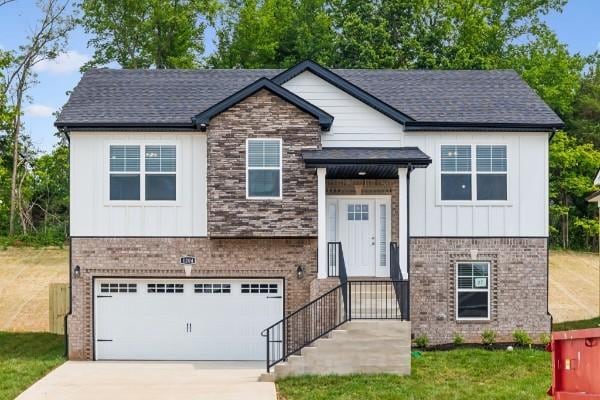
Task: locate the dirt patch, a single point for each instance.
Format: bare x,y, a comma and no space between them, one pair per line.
25,274
574,285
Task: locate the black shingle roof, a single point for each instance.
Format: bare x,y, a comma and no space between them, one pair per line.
173,97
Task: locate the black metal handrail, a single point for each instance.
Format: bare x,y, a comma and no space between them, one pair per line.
401,287
333,259
347,301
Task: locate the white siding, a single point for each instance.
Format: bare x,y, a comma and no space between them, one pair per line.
93,215
524,214
355,123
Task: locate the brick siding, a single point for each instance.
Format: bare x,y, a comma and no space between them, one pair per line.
519,290
230,214
159,257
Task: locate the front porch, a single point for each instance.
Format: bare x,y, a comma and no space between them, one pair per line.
363,203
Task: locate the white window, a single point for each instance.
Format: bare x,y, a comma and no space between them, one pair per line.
151,178
382,235
473,290
460,181
263,169
124,172
212,288
491,172
161,179
259,288
165,288
118,288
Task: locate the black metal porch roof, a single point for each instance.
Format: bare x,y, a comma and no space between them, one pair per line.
365,162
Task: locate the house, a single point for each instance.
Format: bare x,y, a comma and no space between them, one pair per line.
209,205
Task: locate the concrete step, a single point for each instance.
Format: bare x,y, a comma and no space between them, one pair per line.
361,346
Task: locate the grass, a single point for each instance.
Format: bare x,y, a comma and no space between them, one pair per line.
458,374
25,274
583,324
25,358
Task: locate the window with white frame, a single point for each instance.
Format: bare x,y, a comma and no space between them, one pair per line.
160,168
456,172
472,290
473,172
154,175
263,168
491,172
124,172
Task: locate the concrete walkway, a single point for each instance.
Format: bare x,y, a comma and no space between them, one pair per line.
102,380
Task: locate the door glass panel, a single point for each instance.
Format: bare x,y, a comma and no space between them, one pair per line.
358,212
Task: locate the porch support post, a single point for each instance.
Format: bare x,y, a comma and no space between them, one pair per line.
403,219
322,220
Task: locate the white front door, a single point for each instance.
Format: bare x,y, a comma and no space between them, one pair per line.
184,319
357,234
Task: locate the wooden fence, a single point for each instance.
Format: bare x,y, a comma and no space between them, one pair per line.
59,307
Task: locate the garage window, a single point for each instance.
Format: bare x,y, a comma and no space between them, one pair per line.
118,288
212,288
259,288
165,288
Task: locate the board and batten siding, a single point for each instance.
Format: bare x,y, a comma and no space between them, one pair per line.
355,123
524,214
93,215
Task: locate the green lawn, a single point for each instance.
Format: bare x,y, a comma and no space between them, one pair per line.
457,374
25,358
570,325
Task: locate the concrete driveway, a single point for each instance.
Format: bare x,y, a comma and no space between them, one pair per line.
102,380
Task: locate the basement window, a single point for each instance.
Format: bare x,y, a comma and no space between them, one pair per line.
473,290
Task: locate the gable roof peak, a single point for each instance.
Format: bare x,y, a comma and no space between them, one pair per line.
202,119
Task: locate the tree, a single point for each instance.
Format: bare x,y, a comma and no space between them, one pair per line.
46,41
573,167
584,122
272,34
147,33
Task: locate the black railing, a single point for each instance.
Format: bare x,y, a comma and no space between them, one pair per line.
350,300
334,259
401,286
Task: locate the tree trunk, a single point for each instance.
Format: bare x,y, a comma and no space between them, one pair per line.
15,137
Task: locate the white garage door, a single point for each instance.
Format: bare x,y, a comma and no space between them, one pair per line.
184,319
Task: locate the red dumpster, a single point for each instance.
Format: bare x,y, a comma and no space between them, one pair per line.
575,365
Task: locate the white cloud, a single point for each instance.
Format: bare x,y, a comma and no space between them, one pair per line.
38,110
64,63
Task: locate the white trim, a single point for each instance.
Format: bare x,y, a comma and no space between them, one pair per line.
403,233
142,172
488,290
322,262
248,197
473,173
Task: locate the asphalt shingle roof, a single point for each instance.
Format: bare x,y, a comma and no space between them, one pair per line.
175,96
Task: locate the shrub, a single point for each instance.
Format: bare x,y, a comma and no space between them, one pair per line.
521,338
544,339
458,339
488,337
422,341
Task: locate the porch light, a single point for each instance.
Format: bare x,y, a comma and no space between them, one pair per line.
300,272
77,271
362,173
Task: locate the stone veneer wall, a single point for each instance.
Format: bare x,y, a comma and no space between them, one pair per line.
230,214
519,289
159,257
367,187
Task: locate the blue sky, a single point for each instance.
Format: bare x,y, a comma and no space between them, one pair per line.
577,26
